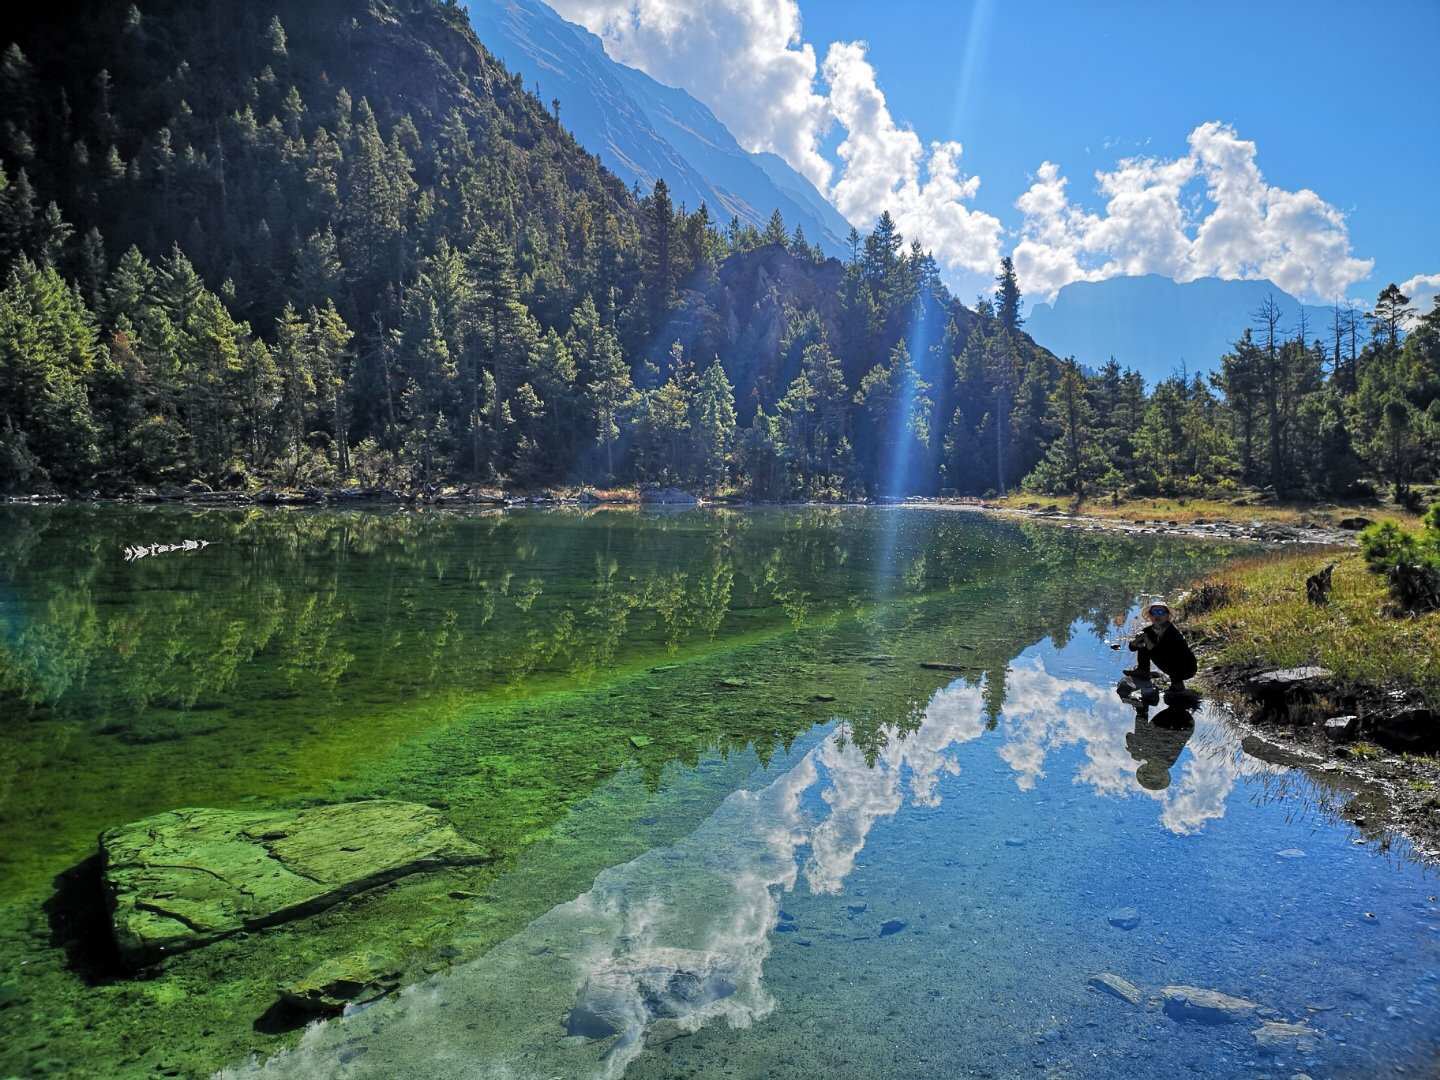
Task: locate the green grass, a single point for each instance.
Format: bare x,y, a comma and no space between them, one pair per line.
1268,620
1185,511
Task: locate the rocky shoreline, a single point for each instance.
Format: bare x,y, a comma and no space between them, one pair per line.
197,494
1373,746
1252,529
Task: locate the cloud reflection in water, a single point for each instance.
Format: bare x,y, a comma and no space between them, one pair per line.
677,938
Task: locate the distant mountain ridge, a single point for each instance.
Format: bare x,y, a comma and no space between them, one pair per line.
643,130
1156,325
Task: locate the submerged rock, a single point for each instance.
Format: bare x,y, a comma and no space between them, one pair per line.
1205,1006
892,926
356,979
1114,985
188,877
658,984
1276,1037
1126,918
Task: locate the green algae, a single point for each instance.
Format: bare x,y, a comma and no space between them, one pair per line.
508,670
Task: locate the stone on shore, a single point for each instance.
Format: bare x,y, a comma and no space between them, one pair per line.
1205,1006
1341,729
1277,692
1410,729
1114,985
185,878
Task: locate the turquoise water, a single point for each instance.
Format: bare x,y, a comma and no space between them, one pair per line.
780,793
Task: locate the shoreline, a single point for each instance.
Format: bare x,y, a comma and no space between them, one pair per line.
1274,532
1342,690
1384,796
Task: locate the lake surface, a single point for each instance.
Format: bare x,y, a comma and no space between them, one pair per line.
733,815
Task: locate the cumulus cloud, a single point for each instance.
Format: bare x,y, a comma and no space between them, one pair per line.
745,59
1207,212
886,167
1424,291
1155,222
748,61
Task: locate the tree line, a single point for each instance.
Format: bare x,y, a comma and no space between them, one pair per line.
237,249
1302,415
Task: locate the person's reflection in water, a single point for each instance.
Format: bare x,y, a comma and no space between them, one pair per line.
1156,744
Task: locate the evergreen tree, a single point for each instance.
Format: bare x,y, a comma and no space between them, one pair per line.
1074,460
714,426
775,231
48,351
1007,296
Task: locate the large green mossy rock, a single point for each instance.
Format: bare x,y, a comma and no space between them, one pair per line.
186,878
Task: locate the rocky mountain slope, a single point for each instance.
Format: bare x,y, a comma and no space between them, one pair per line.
644,130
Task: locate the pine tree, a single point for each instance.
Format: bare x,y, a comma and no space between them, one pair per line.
605,377
659,266
1007,296
775,232
48,350
1392,310
1074,460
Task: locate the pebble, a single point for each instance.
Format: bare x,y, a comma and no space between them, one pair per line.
1125,918
892,926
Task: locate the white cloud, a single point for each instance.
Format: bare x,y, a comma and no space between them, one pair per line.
1246,228
1207,212
748,61
745,59
886,167
1424,291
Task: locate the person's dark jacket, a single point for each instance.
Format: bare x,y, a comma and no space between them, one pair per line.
1168,649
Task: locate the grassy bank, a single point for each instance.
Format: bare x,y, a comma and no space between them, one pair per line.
1245,507
1268,621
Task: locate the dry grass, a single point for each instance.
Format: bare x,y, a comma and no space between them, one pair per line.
1186,511
1269,621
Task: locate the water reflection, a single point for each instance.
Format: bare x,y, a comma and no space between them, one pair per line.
1156,744
678,939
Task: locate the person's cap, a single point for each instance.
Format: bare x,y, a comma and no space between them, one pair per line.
1157,607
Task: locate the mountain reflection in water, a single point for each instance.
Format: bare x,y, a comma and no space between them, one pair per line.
678,938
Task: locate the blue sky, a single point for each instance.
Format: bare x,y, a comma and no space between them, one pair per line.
1291,141
1332,105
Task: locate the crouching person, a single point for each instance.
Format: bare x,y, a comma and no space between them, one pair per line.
1163,645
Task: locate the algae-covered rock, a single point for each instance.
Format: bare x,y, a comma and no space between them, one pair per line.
347,980
188,877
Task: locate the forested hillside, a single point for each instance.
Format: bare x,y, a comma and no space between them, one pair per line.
324,242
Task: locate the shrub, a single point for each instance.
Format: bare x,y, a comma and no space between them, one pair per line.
1386,544
1411,561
